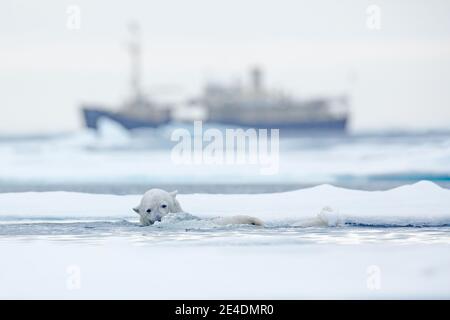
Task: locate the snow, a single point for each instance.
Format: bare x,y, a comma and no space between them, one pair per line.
104,157
77,246
115,269
421,204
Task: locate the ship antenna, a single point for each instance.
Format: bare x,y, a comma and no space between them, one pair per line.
135,59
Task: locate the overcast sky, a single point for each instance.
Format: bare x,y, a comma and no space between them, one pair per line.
398,76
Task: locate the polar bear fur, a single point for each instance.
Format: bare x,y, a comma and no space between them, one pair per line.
156,203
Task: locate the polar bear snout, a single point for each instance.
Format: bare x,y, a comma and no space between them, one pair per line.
155,217
152,214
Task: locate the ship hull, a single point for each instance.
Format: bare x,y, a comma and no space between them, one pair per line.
92,117
313,125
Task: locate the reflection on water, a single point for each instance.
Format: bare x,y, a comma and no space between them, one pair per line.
97,232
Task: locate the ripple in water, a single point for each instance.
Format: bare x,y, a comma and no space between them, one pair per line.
99,231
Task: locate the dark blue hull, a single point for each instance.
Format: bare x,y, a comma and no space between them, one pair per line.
92,116
316,125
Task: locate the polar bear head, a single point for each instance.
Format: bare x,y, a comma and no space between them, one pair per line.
155,204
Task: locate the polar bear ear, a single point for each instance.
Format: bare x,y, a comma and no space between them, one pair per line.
173,193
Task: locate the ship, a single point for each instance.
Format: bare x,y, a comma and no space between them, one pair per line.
236,105
139,110
257,107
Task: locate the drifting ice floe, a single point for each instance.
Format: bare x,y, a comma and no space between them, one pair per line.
104,157
420,204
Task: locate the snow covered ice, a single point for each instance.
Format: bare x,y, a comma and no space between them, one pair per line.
88,158
403,232
317,242
421,204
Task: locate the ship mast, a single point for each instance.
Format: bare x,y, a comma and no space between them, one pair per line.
257,80
134,48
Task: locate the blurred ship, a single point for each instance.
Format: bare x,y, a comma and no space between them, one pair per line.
139,111
232,105
254,106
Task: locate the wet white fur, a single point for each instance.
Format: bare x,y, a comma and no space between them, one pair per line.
156,203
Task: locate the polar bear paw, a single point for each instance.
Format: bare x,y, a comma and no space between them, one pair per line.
329,217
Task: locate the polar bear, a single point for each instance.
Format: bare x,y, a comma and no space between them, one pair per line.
156,203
